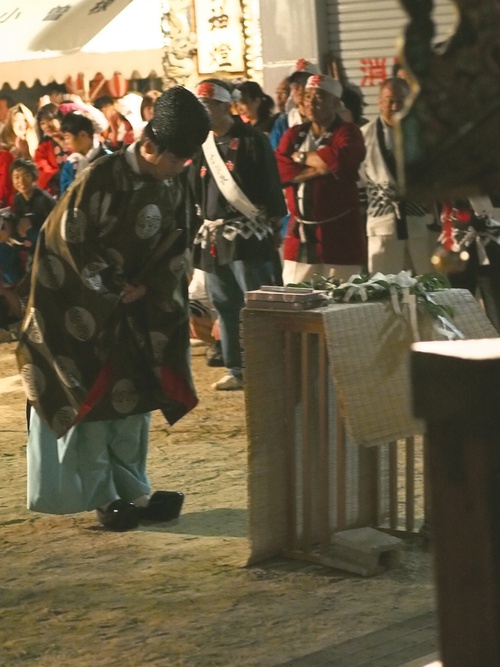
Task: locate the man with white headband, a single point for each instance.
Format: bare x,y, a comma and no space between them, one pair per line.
295,115
237,191
399,238
318,163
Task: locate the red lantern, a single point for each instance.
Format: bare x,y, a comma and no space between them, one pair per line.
447,227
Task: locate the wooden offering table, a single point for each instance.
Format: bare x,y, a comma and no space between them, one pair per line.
332,442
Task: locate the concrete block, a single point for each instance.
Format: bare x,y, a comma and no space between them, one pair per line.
365,551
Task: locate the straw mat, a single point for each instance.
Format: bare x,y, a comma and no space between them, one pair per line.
369,351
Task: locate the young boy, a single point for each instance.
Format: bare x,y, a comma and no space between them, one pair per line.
82,144
31,204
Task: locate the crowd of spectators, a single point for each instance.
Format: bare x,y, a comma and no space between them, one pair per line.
338,174
346,212
41,153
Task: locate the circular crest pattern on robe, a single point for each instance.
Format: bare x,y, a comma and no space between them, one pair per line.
83,354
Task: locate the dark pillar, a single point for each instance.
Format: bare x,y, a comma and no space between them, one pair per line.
456,390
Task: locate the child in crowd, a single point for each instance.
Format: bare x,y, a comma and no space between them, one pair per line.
19,134
31,204
50,154
82,144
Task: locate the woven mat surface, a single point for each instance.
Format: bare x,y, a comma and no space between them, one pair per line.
369,352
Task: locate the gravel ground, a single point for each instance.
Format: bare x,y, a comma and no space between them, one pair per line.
72,595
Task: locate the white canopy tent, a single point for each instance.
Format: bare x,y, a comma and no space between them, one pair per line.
41,40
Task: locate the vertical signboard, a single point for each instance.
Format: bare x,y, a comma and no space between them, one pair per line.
221,43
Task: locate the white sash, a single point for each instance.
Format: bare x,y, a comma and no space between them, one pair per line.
226,183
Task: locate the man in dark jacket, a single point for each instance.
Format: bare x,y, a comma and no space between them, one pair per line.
238,194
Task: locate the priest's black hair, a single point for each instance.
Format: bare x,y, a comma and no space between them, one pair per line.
180,122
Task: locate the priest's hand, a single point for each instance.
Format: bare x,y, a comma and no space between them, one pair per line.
131,293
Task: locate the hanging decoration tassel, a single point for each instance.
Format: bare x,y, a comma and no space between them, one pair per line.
448,256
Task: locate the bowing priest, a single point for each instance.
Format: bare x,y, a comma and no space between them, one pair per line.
105,338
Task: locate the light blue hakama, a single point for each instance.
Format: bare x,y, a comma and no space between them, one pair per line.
91,465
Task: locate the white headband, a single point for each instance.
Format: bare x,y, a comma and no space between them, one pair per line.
212,91
303,65
326,83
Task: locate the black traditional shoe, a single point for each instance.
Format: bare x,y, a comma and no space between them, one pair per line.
119,516
163,506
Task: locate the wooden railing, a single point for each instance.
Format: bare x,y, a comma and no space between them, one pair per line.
332,484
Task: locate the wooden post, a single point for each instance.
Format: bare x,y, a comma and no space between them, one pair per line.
410,484
307,444
290,442
324,463
393,485
456,389
341,491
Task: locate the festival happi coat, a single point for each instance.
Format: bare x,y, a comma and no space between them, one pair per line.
83,353
332,222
